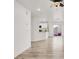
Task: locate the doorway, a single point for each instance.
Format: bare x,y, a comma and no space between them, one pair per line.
57,29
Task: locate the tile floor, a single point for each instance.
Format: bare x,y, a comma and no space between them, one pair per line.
46,49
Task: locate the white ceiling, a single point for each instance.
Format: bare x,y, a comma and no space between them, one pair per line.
45,10
33,5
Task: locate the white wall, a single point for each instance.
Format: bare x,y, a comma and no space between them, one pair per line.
36,35
22,29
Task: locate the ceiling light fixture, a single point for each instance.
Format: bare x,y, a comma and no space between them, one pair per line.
57,3
56,0
38,9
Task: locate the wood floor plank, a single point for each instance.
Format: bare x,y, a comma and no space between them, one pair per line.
46,49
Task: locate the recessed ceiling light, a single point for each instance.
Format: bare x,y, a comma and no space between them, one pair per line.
38,9
55,26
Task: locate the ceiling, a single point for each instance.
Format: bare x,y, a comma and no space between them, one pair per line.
35,5
44,7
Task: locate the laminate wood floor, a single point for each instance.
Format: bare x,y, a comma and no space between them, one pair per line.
46,49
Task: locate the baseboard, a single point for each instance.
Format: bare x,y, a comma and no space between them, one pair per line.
22,51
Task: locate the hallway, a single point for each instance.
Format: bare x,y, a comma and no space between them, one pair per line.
46,49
